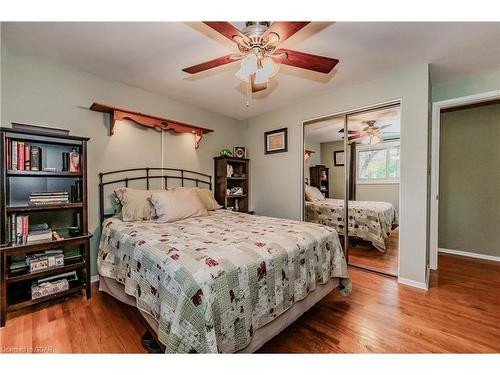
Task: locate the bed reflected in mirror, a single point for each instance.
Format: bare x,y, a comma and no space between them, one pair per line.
324,173
373,184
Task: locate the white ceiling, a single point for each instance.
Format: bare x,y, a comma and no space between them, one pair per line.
322,131
151,56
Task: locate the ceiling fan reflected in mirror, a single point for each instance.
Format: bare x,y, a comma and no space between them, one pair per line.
369,135
259,53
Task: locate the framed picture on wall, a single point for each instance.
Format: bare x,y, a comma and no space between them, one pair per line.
276,141
338,158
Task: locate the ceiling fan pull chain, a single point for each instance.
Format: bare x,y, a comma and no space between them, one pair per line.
249,92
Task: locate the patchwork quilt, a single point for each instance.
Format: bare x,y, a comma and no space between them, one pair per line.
368,220
212,281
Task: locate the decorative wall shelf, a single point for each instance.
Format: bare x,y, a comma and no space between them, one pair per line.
150,121
308,154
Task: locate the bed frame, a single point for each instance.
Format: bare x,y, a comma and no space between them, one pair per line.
146,174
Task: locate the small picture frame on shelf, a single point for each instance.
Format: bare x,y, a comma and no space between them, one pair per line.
240,152
276,141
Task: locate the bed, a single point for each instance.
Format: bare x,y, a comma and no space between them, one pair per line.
369,220
222,283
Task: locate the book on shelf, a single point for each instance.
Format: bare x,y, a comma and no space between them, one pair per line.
36,158
18,266
27,157
13,222
58,197
23,157
13,147
40,235
19,228
72,254
20,156
8,154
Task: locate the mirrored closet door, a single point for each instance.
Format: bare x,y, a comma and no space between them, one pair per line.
372,150
359,173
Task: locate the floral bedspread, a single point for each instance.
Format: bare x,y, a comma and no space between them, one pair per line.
368,220
212,281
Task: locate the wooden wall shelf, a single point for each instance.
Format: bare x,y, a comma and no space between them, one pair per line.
150,121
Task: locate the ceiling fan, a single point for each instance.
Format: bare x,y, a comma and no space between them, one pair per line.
370,134
257,44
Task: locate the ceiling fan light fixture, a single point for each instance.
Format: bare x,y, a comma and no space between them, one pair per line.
269,69
248,67
370,139
374,139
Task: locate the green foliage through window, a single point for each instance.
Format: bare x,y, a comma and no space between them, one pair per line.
378,164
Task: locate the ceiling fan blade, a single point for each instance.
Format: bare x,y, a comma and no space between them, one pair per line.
257,87
228,30
305,60
350,138
379,128
223,60
284,29
349,131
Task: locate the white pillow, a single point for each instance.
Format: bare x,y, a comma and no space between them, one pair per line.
313,194
178,204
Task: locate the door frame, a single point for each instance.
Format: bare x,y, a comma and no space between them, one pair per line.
435,132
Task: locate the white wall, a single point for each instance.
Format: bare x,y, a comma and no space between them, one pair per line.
280,195
38,92
378,192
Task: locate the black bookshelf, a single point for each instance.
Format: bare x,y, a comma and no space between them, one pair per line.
223,182
68,219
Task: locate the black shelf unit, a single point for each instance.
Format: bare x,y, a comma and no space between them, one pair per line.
223,182
15,187
320,178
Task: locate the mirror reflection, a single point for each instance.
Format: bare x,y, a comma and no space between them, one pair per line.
368,171
374,170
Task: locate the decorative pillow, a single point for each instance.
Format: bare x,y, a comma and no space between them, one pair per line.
313,194
135,204
206,196
177,204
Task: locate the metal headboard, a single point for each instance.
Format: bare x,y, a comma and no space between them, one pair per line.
166,174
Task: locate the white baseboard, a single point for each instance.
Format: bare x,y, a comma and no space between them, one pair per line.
94,279
413,283
469,254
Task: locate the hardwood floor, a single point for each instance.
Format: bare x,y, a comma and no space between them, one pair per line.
460,313
369,257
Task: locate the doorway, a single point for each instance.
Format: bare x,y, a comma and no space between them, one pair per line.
465,177
361,173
